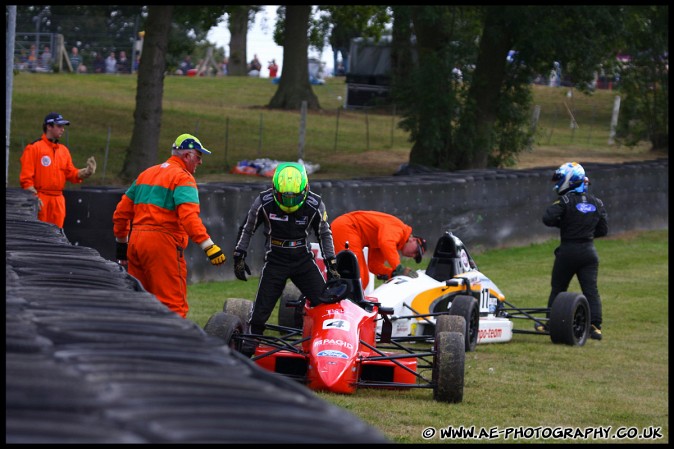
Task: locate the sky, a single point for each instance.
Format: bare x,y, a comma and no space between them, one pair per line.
261,42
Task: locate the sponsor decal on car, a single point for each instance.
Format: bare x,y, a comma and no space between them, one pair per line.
489,333
332,341
332,353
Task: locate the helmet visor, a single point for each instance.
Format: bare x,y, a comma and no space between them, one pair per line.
290,199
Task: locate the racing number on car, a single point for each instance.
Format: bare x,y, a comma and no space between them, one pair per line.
336,324
484,299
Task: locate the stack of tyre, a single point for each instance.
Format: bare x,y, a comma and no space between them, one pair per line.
91,357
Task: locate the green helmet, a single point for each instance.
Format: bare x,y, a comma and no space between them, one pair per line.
290,185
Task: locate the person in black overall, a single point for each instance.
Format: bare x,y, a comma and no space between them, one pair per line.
581,218
289,211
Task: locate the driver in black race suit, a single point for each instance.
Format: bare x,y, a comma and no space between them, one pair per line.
581,218
289,211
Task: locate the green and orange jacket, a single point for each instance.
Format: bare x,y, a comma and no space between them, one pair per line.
163,198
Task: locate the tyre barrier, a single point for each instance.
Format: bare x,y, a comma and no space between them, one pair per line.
91,357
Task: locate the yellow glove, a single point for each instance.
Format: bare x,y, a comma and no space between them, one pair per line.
215,254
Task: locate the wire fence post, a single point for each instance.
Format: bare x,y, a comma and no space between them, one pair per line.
226,141
393,121
337,128
259,142
107,148
367,131
303,126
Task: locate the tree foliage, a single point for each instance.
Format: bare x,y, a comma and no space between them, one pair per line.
644,80
481,120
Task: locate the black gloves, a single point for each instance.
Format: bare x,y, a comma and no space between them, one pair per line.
404,271
331,265
240,266
120,253
382,277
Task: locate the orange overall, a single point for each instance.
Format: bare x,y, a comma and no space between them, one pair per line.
47,166
161,209
383,234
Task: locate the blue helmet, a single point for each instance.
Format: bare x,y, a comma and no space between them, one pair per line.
569,176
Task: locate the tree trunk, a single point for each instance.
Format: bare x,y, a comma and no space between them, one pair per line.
295,87
142,151
238,29
476,132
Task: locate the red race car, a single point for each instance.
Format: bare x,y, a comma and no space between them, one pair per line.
336,346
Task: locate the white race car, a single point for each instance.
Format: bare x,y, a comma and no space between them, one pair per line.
453,285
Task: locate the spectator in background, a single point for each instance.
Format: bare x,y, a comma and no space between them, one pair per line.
111,63
75,59
32,58
123,65
223,66
185,66
22,63
99,64
254,67
273,68
45,59
136,63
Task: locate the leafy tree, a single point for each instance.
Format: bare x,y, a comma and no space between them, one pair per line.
644,80
481,121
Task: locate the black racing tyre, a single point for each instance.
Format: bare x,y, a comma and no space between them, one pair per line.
291,316
569,322
225,326
239,307
449,367
466,306
450,323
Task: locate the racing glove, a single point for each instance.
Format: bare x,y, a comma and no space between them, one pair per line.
404,271
240,266
331,265
215,254
120,254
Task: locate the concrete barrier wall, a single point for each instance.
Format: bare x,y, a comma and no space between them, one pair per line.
487,209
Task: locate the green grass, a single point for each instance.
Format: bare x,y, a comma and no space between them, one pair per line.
622,381
229,115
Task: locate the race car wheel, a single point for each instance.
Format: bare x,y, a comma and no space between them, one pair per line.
569,322
225,326
239,307
291,316
448,367
450,323
466,306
